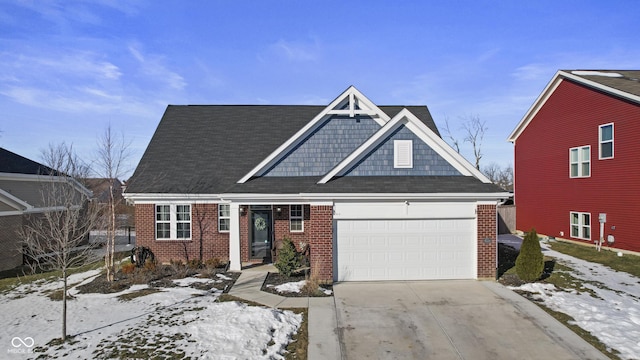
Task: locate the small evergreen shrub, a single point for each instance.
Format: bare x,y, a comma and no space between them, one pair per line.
530,261
289,259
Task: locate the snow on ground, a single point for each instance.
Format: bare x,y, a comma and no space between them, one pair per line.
177,320
609,307
296,287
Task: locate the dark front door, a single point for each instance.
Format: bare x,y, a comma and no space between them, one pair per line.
261,234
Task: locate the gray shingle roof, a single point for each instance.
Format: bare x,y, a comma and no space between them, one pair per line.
206,149
629,82
15,164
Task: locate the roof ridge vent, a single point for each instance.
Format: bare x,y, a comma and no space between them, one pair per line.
596,73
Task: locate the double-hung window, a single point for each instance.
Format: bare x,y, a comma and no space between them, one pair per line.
605,135
580,161
296,218
224,218
173,222
163,221
580,225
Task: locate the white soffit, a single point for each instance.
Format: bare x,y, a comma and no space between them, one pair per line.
407,118
350,103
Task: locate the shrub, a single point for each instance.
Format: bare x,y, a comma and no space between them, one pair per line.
213,263
530,261
128,268
288,258
194,264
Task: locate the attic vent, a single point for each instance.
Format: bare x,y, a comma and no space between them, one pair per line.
403,154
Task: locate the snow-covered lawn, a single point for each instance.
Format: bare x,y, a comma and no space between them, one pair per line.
296,287
179,320
605,302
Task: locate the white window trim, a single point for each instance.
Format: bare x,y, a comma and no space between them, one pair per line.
220,217
600,142
580,224
173,221
580,162
300,217
403,154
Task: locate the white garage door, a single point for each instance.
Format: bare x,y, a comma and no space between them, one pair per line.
405,249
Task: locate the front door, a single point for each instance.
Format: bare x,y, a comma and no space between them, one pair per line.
261,234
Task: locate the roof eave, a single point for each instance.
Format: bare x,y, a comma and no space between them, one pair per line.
550,88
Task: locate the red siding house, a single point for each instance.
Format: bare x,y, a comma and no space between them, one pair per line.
577,174
373,191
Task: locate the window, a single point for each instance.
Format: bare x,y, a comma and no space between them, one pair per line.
163,222
224,218
183,221
606,141
296,218
581,225
173,222
579,161
403,154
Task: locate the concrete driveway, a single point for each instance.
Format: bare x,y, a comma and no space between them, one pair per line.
448,320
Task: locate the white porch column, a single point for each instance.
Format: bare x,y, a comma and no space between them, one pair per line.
234,238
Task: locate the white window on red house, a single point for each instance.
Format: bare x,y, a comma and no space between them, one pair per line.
296,218
224,218
606,141
580,161
581,225
173,222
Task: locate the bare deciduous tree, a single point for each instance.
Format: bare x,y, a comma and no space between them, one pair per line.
454,141
57,239
475,129
502,177
113,153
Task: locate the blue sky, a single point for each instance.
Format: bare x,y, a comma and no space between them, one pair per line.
70,68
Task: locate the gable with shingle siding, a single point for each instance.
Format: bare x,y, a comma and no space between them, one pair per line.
379,162
331,142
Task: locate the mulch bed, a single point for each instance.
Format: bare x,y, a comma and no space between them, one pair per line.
161,276
279,279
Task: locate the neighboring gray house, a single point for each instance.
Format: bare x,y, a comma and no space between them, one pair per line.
21,195
372,190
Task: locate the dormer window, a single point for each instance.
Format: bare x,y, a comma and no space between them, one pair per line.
403,154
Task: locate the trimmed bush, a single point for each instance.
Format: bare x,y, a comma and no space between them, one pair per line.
530,261
289,259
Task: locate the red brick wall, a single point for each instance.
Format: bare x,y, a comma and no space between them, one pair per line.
318,233
487,228
244,234
204,219
321,241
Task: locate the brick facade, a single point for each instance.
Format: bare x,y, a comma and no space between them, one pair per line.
487,253
204,220
318,233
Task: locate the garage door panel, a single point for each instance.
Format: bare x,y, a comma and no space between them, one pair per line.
405,249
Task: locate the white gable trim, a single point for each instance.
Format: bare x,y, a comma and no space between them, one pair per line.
351,97
13,201
407,118
551,87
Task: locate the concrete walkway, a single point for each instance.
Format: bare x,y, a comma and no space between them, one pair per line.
322,324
